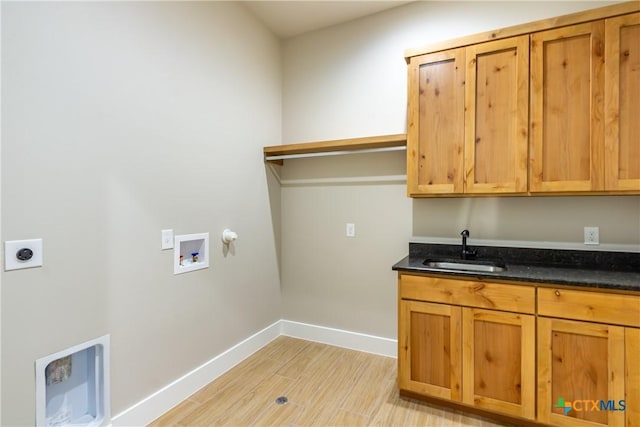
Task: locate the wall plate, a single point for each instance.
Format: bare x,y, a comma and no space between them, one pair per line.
167,239
592,235
11,248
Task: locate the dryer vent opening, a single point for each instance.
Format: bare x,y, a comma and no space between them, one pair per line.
72,386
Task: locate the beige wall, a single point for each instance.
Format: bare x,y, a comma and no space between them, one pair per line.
329,279
1,250
350,81
121,119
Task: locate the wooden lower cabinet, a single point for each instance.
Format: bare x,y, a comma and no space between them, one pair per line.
579,363
470,355
534,355
588,350
632,376
498,369
430,349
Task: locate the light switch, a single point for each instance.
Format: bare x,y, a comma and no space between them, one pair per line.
22,254
351,230
167,239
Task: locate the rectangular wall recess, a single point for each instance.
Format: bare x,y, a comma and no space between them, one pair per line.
190,252
72,386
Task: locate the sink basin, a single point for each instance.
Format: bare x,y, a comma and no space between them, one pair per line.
466,265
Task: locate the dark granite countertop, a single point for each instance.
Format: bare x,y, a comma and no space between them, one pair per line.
596,269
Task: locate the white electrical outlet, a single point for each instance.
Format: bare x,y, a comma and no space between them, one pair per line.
591,235
351,230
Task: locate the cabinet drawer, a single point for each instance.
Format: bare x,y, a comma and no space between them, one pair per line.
468,293
589,306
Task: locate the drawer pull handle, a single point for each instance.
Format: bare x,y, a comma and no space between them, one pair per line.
557,293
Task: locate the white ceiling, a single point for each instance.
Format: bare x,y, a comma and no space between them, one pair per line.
291,18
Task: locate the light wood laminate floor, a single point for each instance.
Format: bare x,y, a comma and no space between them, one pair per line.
324,385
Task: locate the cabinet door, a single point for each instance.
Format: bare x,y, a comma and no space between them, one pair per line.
429,344
567,129
579,365
499,361
632,376
435,128
497,116
622,103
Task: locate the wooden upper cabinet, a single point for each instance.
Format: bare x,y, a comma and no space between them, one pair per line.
549,107
435,129
567,92
622,103
497,116
468,119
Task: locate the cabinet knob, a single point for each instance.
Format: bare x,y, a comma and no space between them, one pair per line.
557,293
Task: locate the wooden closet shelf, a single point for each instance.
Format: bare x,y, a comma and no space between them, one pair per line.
277,153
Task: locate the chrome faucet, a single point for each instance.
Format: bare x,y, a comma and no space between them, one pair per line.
466,253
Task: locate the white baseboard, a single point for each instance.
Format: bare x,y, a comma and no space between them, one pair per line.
341,338
150,408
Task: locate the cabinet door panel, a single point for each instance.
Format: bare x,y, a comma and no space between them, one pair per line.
435,130
499,362
622,103
429,354
567,133
497,116
579,363
632,376
429,331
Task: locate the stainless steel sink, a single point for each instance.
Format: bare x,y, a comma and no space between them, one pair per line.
480,266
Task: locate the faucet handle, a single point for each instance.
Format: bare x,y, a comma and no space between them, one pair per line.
467,252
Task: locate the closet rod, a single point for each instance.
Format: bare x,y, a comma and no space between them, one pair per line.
334,153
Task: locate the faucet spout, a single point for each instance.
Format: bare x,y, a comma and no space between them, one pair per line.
466,252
